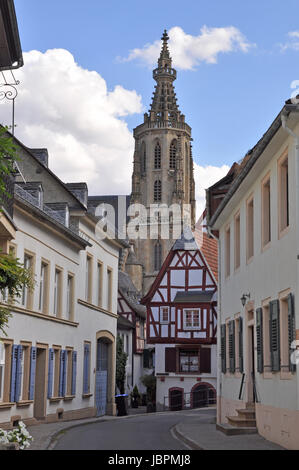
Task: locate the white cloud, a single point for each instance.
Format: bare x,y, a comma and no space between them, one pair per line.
293,43
189,51
70,111
206,176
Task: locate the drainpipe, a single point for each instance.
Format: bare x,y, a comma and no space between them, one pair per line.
219,374
296,142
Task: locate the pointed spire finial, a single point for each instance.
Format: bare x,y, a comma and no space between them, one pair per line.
165,36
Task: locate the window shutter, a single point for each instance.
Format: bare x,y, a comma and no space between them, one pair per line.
291,329
170,359
205,360
62,373
18,373
86,368
14,359
74,372
241,367
232,361
223,349
259,340
274,335
32,372
50,373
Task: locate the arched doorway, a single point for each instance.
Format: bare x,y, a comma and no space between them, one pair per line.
176,397
105,373
202,395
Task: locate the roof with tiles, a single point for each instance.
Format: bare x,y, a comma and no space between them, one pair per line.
207,245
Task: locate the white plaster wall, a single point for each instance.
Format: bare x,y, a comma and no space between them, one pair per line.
269,272
23,327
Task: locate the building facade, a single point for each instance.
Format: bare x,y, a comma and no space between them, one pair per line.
58,359
132,327
182,323
256,219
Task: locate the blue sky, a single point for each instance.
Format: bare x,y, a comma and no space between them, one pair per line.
229,104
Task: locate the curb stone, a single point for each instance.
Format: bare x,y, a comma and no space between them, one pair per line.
184,439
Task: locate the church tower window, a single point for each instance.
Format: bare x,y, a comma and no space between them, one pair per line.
157,191
172,155
143,158
157,156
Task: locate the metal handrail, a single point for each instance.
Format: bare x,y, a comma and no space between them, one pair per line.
241,386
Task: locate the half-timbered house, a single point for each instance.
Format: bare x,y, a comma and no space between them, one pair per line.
181,323
133,314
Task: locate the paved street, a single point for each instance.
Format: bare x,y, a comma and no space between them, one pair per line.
152,432
182,430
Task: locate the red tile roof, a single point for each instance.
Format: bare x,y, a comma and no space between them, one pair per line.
208,247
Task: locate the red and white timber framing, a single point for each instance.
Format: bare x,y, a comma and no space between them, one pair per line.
186,271
124,309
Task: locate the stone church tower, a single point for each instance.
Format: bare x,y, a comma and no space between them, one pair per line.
163,168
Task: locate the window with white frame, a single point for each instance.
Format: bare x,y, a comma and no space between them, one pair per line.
189,361
57,292
88,279
191,319
164,314
70,297
43,287
100,284
283,193
26,297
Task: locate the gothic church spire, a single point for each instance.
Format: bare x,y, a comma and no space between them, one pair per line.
164,104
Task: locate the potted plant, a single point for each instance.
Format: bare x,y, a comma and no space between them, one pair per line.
135,395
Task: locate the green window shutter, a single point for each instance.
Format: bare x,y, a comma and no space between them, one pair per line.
291,328
241,366
259,340
274,335
223,349
231,344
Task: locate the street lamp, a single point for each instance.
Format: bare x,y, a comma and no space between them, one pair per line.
244,297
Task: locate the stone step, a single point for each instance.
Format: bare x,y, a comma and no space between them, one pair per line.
246,413
242,422
233,430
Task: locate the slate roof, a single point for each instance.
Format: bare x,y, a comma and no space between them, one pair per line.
197,296
123,322
130,293
186,242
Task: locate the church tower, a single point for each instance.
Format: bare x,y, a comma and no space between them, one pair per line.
163,166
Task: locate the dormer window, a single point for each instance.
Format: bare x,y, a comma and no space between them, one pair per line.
40,197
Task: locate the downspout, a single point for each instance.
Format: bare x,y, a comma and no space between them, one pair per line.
296,141
219,374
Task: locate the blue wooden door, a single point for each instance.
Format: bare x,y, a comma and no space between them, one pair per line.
101,392
101,377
